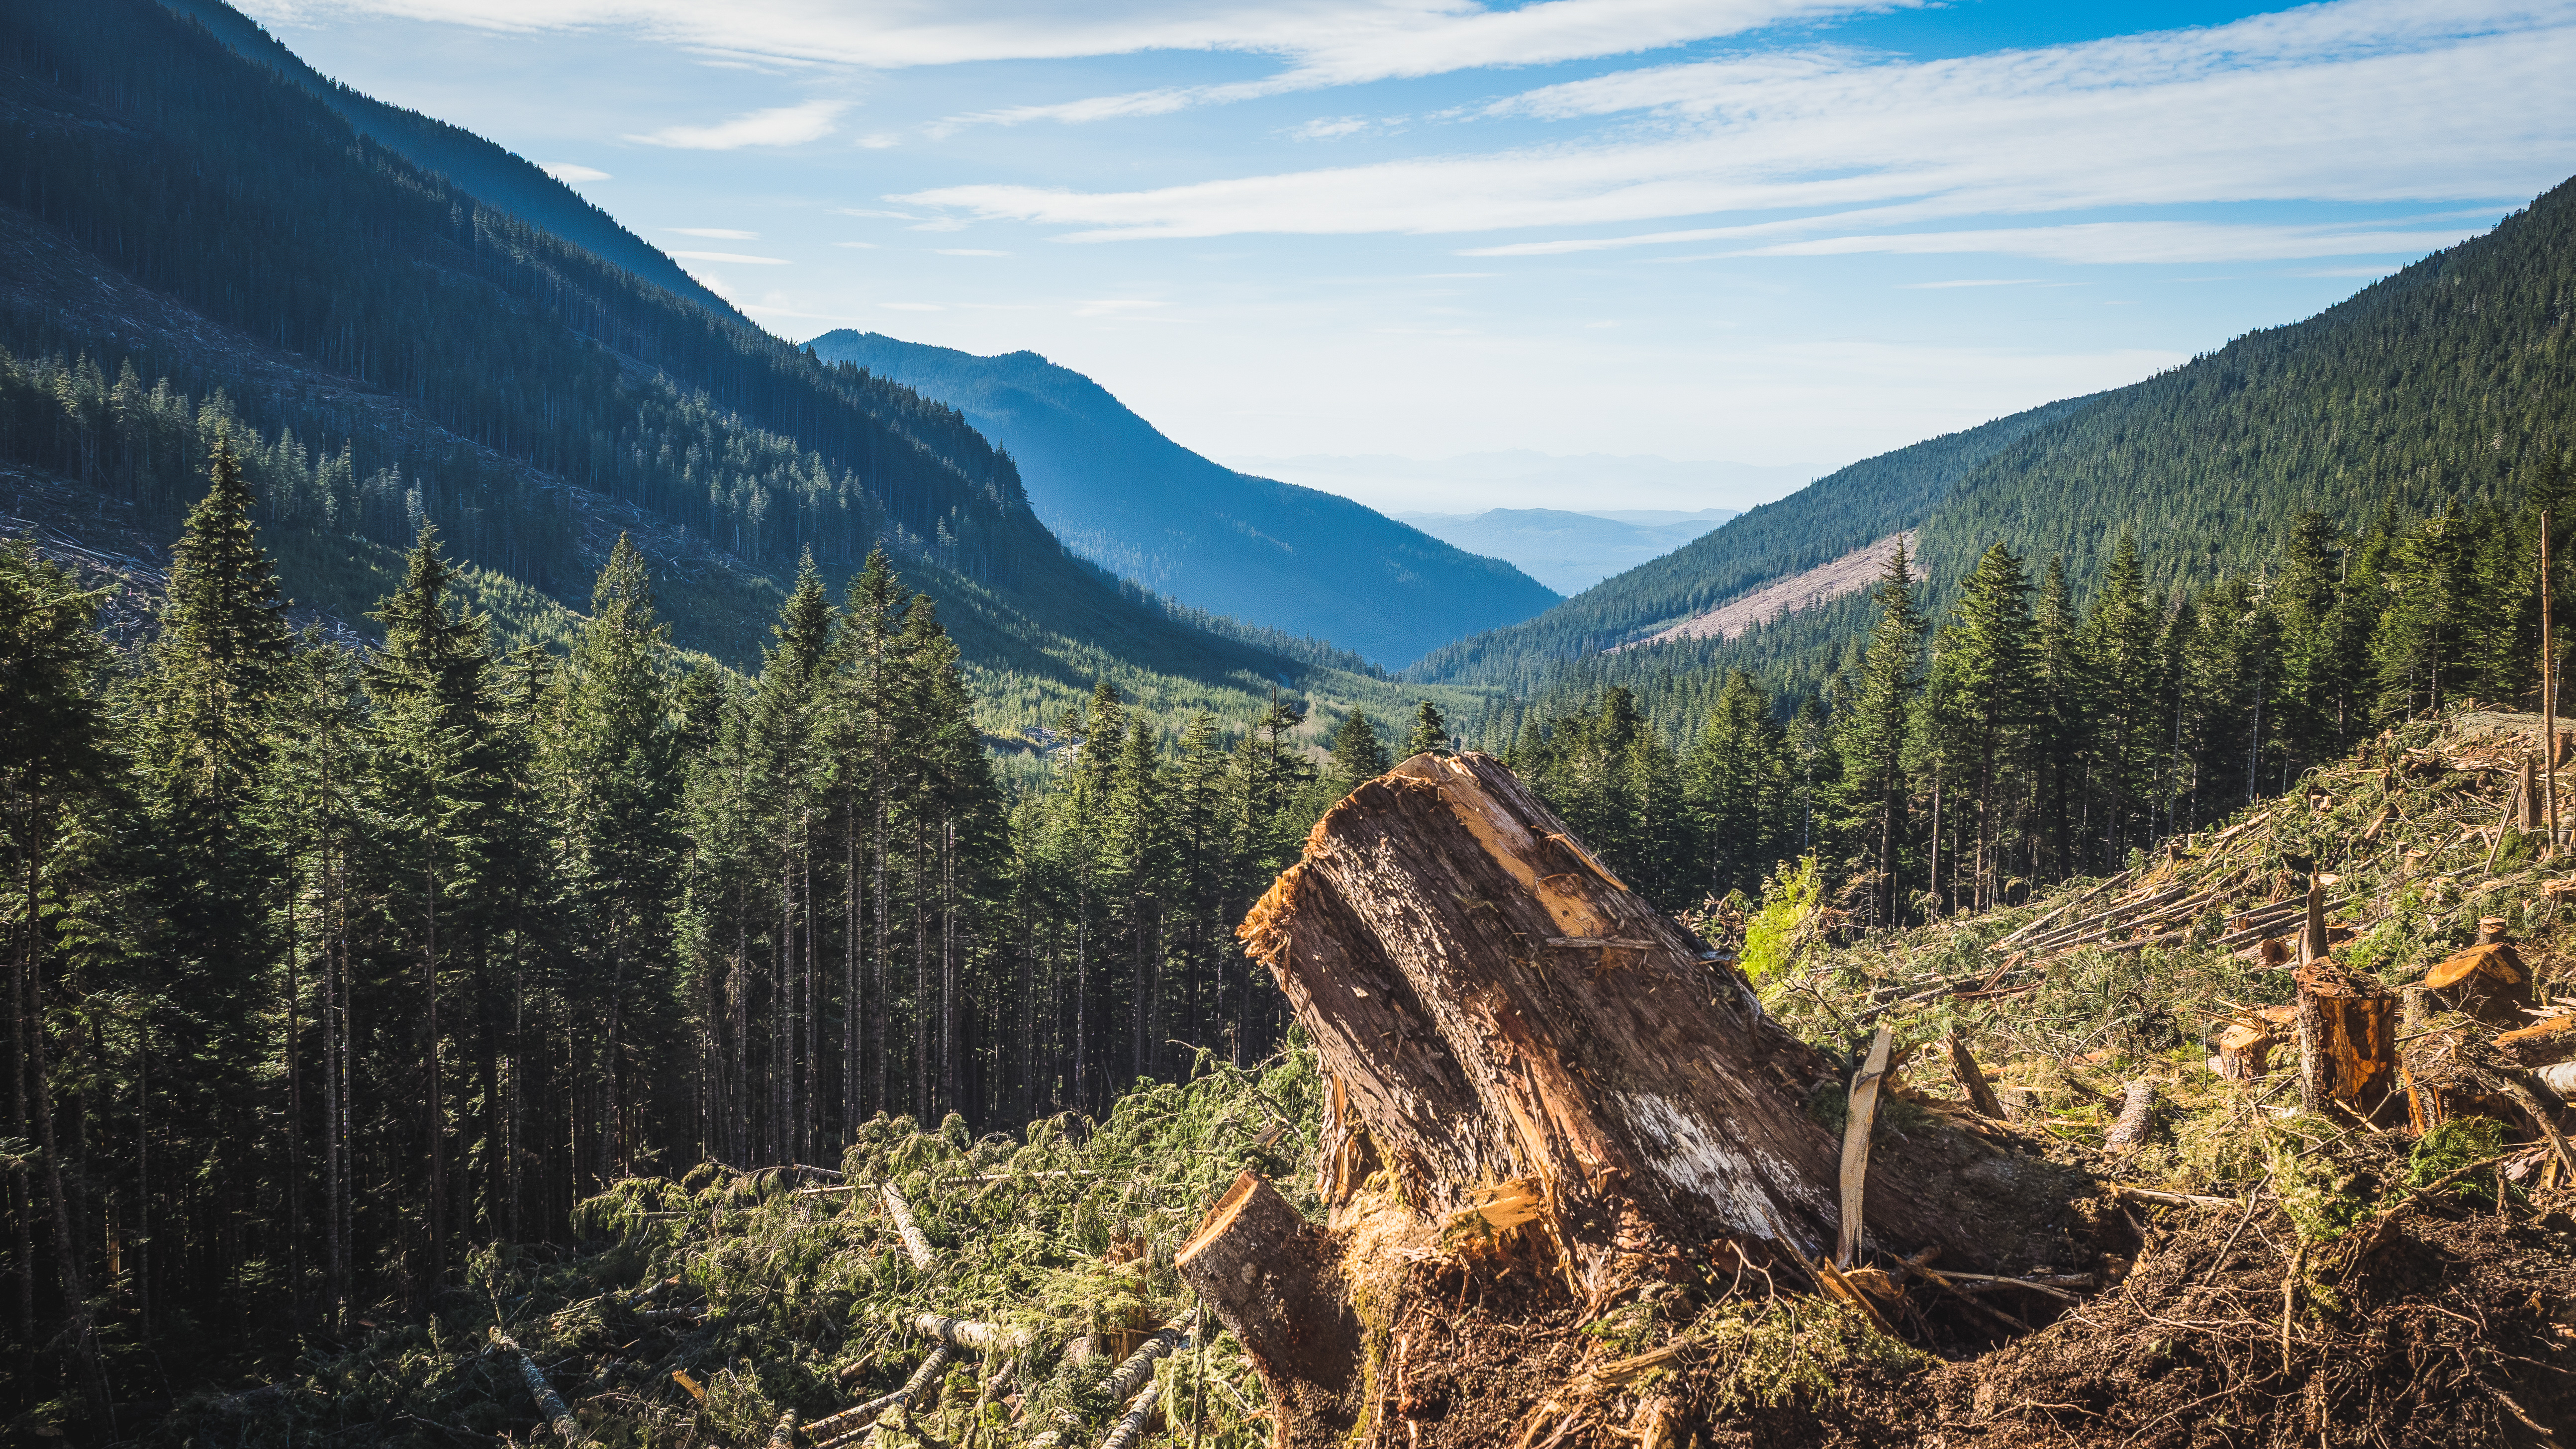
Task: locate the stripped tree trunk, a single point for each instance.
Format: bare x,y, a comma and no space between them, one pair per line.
1494,1006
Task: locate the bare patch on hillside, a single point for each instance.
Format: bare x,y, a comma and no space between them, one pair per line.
1795,594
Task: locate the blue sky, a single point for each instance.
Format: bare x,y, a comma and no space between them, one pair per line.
1778,232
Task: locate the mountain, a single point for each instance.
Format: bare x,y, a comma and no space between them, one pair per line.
1527,478
1842,511
1273,554
1569,552
192,241
496,177
2452,381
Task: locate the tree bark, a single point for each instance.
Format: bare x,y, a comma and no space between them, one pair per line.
1646,1091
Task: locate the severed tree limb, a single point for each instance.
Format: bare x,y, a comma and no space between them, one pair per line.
784,1436
1139,1367
1129,1431
851,1422
981,1337
914,1244
1972,1078
2137,1113
549,1403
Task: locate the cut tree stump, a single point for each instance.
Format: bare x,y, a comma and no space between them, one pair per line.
1642,1090
1275,1280
2347,1033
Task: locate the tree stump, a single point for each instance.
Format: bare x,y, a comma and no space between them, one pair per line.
1274,1280
1494,1006
2347,1033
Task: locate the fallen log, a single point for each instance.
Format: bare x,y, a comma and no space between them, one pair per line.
915,1245
1139,1366
784,1436
1130,1428
858,1419
1645,1094
974,1334
2137,1114
549,1403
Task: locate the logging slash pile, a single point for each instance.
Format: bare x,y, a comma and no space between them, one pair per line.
932,1288
2258,1142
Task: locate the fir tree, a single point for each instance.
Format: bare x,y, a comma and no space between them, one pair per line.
1430,731
1873,733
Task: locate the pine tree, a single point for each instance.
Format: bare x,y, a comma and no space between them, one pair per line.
1357,755
1872,734
621,782
1430,731
1982,671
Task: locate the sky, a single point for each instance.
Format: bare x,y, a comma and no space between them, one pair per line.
1787,234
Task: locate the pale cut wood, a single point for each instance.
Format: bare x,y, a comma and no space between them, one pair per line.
1139,1366
549,1403
2314,944
1972,1078
1855,1169
858,1419
915,1245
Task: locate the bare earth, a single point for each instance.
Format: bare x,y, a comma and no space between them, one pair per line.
1822,584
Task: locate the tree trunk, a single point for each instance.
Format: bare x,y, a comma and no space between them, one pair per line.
1493,1006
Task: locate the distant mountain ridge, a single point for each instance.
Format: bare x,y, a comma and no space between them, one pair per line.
1271,554
1569,550
1844,510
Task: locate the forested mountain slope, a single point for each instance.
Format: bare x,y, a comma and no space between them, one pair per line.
1116,490
192,238
2443,384
1823,521
498,178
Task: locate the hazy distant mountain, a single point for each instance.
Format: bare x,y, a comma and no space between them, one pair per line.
1570,552
1522,478
1120,493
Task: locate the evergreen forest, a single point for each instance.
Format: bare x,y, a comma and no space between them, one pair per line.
333,963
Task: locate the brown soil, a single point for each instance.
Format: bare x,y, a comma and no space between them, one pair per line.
2455,1327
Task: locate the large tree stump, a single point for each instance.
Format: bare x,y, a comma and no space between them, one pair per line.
1493,1004
2347,1033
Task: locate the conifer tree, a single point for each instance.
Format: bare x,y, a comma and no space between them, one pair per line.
1357,755
621,777
1430,731
1872,734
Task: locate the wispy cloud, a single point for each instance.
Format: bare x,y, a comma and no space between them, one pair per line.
1319,42
713,233
2363,101
569,172
778,126
737,258
968,252
2132,241
1969,282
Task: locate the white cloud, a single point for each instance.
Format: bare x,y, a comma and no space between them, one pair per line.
863,211
737,258
571,171
912,306
857,246
2363,101
778,126
1970,282
713,233
968,252
1322,42
2132,241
